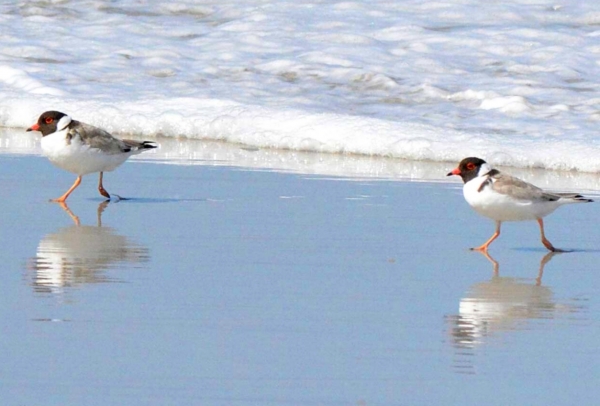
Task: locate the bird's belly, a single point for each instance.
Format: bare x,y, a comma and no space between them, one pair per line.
79,158
501,207
508,212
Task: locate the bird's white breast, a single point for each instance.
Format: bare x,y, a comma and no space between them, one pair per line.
78,157
503,207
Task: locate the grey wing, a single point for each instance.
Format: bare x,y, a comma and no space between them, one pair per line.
98,138
519,189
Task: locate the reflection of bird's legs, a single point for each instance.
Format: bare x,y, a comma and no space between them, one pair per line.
543,262
538,281
100,210
495,264
71,189
64,206
484,247
545,241
101,189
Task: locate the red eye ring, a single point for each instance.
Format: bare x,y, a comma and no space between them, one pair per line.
48,120
470,166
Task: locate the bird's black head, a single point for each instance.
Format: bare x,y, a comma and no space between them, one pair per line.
47,123
468,168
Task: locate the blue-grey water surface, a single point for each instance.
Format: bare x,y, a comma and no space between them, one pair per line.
223,286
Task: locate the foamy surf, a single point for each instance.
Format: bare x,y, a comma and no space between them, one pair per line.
514,83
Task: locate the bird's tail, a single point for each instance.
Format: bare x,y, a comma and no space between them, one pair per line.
148,145
139,146
574,198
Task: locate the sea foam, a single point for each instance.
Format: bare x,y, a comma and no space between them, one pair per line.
516,84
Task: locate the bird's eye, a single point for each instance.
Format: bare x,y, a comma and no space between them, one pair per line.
49,120
470,166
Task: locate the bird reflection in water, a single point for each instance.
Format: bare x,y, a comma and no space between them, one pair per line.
499,305
80,254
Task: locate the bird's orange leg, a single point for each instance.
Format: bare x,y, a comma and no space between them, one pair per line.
484,247
545,241
71,189
101,189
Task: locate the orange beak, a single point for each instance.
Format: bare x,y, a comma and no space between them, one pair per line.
34,127
455,171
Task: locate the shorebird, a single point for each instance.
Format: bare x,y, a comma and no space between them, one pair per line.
81,148
503,197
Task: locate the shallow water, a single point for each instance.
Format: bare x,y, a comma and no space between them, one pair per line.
221,285
350,167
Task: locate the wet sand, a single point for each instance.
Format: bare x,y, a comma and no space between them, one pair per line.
226,283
